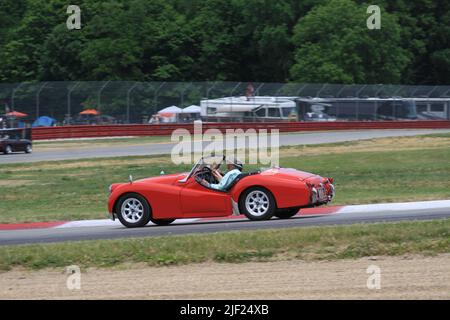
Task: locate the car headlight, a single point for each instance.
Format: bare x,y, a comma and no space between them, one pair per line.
110,189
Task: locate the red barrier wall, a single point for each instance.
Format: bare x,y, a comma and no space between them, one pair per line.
167,129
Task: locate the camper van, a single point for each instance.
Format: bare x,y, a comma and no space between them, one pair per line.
244,108
357,108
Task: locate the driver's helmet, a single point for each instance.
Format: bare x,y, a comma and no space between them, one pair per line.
236,163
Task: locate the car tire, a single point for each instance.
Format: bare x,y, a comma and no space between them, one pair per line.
28,148
286,213
8,149
133,210
162,222
257,204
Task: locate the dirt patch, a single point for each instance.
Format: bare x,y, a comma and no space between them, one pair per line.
401,278
15,183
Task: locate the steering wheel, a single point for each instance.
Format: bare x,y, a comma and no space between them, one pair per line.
205,173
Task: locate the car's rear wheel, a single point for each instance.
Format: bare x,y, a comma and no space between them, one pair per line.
8,149
257,203
162,222
28,148
133,210
286,213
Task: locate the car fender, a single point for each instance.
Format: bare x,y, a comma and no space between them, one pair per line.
287,192
163,199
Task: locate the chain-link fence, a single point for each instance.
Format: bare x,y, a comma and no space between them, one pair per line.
135,102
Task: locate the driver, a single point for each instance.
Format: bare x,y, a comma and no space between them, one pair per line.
234,167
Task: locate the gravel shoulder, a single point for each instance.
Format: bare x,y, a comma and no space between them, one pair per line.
406,277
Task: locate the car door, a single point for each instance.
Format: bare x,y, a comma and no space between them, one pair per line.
197,200
20,144
23,144
15,143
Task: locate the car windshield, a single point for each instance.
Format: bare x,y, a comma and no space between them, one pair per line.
213,162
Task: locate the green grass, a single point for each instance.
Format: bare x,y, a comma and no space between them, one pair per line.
310,243
377,177
105,142
92,142
77,189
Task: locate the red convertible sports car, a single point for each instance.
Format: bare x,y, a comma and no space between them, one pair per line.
259,195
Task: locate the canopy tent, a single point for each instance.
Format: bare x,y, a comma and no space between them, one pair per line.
192,109
171,109
91,112
44,122
16,114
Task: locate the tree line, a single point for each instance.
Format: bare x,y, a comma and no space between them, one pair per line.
317,41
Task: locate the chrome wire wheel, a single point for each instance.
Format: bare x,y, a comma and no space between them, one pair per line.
28,148
132,210
257,203
8,149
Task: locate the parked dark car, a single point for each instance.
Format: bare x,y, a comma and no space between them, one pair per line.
15,140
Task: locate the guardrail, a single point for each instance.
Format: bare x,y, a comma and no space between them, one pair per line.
95,131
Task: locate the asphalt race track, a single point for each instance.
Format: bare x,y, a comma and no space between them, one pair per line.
165,148
15,237
115,231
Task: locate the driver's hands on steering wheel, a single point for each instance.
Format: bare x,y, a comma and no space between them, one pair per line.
217,174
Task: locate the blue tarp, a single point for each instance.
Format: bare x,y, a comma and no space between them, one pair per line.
44,122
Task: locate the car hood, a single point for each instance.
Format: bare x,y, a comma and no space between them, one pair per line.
289,174
164,179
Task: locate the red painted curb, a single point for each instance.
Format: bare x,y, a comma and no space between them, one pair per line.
320,210
45,225
303,212
31,225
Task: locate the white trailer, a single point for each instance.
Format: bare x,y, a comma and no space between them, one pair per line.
261,108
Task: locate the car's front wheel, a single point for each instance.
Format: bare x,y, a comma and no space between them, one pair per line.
257,203
8,149
133,210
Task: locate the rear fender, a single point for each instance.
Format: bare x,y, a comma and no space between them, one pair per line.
287,192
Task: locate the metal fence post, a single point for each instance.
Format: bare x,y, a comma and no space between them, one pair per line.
381,88
14,95
99,95
394,94
182,94
128,99
259,88
414,92
69,106
320,91
357,96
210,89
234,89
342,89
431,91
360,90
37,99
155,98
301,89
445,93
232,92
